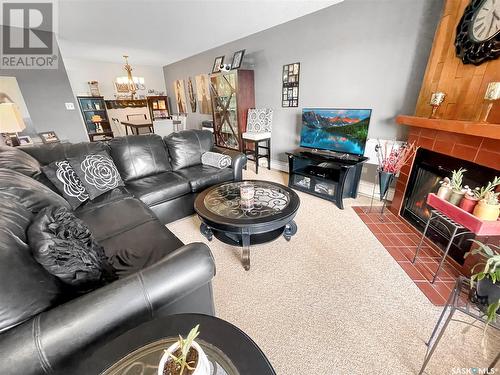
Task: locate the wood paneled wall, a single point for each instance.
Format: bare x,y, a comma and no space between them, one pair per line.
464,85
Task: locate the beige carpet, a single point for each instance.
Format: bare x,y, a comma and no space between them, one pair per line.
332,300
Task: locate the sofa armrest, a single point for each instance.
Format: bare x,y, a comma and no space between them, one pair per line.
238,161
52,338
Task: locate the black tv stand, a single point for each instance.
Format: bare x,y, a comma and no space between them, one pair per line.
328,175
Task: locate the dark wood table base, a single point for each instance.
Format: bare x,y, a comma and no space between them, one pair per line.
245,239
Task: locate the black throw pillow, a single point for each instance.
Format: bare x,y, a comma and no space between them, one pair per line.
97,172
64,178
64,246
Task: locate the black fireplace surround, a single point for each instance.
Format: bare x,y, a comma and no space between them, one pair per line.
428,169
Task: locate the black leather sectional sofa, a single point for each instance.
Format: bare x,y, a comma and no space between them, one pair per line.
41,328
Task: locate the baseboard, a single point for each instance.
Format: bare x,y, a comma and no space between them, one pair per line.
366,189
279,165
275,164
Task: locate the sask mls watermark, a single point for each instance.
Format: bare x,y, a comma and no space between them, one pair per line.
28,30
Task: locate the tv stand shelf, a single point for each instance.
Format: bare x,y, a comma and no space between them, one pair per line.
328,176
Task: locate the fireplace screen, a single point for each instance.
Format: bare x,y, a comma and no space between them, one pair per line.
428,169
426,182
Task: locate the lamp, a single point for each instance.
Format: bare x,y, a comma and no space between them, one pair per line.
96,119
492,93
437,99
11,121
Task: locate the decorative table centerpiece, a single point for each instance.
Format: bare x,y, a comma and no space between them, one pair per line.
185,357
488,207
247,194
469,200
457,191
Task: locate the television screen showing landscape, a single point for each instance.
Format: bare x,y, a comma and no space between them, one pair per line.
341,130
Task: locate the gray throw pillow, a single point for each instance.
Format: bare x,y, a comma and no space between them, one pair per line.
214,159
97,172
65,179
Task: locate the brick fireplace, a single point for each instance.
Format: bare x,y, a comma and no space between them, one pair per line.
480,150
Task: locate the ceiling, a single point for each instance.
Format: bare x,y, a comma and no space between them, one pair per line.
156,32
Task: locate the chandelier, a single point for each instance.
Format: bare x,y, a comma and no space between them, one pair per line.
129,83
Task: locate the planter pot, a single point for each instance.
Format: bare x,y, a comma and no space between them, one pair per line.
468,203
486,211
486,289
444,192
385,180
202,367
456,197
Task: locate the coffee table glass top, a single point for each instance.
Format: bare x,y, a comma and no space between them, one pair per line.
269,199
144,361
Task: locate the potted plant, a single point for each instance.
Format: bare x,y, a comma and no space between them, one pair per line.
457,191
488,279
444,191
185,357
488,207
469,200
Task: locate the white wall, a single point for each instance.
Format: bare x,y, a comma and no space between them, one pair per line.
82,71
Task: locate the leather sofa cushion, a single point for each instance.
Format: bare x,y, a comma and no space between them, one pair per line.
140,247
203,176
159,188
110,219
48,153
139,156
32,194
26,289
14,158
186,147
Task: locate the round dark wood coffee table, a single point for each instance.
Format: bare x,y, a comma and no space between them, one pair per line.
271,215
138,351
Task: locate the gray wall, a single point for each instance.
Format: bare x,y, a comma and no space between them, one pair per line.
356,54
45,92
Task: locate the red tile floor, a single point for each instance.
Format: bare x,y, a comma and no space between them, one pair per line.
400,239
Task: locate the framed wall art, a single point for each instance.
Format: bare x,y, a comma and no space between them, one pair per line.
180,96
237,59
290,90
203,94
217,63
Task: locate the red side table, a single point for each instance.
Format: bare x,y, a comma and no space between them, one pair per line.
461,221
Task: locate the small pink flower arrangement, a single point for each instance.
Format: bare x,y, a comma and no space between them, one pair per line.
391,160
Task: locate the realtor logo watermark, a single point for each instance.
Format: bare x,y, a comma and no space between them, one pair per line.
28,30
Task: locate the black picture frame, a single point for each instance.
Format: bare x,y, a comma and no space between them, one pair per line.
219,60
290,87
237,59
49,137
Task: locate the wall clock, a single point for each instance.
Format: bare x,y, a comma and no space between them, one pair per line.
478,32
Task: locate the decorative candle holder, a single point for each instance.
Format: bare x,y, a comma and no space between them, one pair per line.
492,93
437,98
247,193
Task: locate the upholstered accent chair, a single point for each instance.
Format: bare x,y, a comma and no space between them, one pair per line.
258,134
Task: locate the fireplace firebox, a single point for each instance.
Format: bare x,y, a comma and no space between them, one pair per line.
428,169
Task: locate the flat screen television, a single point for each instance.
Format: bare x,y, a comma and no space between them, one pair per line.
335,129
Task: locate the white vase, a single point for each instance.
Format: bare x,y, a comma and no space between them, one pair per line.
202,367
